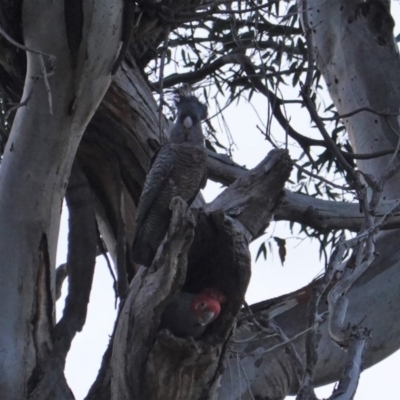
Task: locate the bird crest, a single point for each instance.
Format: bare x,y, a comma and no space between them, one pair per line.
187,102
184,91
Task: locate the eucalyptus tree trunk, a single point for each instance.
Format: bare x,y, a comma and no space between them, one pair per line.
67,74
344,35
71,49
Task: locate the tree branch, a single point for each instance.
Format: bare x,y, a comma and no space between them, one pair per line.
80,267
304,209
253,197
81,255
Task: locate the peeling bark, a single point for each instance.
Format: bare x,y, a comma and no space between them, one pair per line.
218,257
151,365
125,132
141,312
252,199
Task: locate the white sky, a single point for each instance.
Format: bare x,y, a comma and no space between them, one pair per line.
269,278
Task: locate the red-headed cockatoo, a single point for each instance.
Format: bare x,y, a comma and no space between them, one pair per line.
189,314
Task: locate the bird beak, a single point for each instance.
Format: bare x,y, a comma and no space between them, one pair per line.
207,317
188,122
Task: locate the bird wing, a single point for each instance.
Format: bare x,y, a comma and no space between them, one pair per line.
202,185
162,165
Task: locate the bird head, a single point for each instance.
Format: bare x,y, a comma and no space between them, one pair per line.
215,294
190,113
205,308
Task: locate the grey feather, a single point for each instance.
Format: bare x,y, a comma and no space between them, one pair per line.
179,169
179,319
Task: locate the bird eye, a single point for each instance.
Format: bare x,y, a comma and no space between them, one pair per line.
202,305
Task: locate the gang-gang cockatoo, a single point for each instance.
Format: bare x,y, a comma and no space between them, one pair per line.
189,314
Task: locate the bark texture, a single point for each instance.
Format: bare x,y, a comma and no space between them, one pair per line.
64,87
345,34
64,90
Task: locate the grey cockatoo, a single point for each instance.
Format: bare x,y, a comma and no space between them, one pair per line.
189,314
178,169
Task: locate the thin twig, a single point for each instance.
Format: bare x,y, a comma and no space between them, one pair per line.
196,16
392,166
373,229
329,142
361,109
103,251
289,340
19,105
320,178
161,83
245,377
47,84
291,350
25,48
310,55
257,324
52,59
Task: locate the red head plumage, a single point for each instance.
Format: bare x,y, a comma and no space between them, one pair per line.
206,305
215,294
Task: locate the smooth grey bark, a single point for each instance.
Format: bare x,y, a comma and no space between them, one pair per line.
345,34
343,45
35,170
